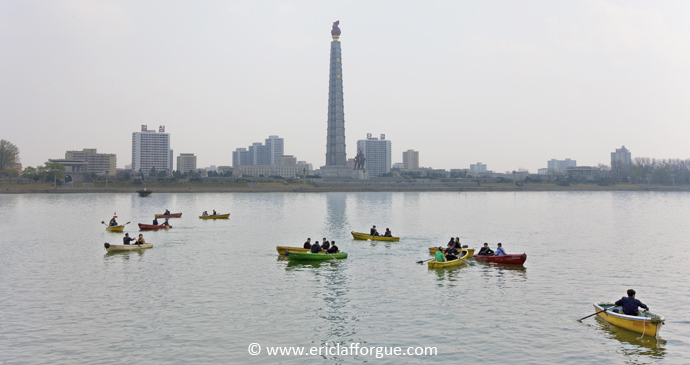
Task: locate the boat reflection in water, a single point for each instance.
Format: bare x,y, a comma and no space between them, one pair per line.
633,347
502,272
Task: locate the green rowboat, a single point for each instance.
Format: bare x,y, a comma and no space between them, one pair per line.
308,256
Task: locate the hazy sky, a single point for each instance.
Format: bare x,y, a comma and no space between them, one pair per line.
509,83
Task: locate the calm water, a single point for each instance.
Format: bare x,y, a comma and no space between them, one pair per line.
210,288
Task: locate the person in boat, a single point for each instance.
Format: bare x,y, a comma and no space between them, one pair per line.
127,239
630,304
451,252
485,251
204,214
113,222
500,251
440,257
214,212
388,233
141,240
457,243
316,248
307,244
155,221
451,242
333,248
167,212
325,245
373,231
166,224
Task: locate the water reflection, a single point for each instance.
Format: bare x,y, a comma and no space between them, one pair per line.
503,272
452,274
633,346
337,224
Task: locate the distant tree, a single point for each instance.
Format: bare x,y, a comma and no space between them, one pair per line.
29,172
9,154
53,169
10,172
126,176
162,174
152,172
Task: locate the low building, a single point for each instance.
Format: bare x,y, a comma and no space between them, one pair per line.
186,162
287,160
584,173
95,162
288,171
478,167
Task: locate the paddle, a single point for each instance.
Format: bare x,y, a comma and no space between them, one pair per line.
605,309
423,261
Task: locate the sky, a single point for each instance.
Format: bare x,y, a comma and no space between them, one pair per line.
511,84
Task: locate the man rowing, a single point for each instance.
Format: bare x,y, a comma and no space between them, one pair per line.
388,233
127,239
500,251
325,245
373,231
112,222
485,251
630,304
167,212
307,244
333,249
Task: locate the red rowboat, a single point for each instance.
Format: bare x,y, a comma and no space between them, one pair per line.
505,259
151,227
171,215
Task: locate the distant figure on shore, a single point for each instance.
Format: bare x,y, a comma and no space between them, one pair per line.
307,244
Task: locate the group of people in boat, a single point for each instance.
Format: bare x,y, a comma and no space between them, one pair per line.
374,232
127,240
205,213
165,224
324,246
486,251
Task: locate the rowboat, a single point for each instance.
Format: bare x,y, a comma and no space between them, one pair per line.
308,256
646,323
364,236
122,248
115,228
505,259
433,250
171,215
217,216
281,249
151,227
144,192
433,264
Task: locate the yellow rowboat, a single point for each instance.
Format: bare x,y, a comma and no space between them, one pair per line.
433,250
647,323
364,236
281,250
217,216
122,248
433,264
115,228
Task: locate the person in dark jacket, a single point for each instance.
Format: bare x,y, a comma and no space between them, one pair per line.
307,244
485,250
457,243
316,248
373,231
388,233
333,249
127,239
451,242
113,222
630,304
325,245
155,221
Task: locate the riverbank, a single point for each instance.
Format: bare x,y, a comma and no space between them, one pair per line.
317,187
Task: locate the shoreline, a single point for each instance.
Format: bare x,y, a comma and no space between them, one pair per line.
40,188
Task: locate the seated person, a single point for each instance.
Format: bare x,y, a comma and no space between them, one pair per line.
204,214
167,212
333,249
325,245
127,239
155,221
451,253
440,257
457,243
388,233
113,222
500,251
307,244
485,250
141,240
316,248
451,242
630,304
214,212
373,231
166,223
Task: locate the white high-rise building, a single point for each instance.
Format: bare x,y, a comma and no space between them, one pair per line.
377,153
275,147
151,149
621,158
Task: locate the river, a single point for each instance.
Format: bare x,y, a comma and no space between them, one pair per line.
208,289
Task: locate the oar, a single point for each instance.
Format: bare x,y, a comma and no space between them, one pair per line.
421,262
331,255
605,309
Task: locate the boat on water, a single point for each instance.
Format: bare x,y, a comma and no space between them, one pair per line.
433,264
151,227
433,250
308,256
171,215
505,259
282,249
217,216
144,192
364,237
123,248
115,228
647,323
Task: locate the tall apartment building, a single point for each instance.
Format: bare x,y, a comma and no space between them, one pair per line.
478,167
260,154
96,162
411,160
151,149
620,158
186,162
377,153
559,166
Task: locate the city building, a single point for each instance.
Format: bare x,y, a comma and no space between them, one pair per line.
377,153
240,156
559,166
225,169
186,162
260,154
397,165
286,160
411,159
287,171
478,167
275,147
151,149
88,160
621,158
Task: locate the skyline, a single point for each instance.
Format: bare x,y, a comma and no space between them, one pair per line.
508,85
